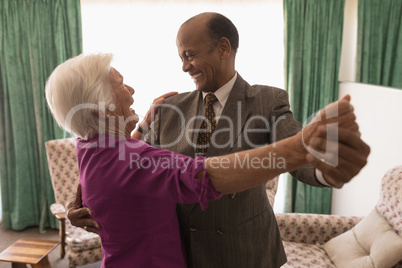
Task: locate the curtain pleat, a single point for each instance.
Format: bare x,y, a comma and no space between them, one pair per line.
379,42
36,36
313,39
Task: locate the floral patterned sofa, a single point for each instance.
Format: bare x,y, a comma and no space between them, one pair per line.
312,240
82,247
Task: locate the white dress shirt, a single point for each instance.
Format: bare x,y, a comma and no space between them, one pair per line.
222,94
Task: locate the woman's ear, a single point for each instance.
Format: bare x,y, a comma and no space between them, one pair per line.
224,47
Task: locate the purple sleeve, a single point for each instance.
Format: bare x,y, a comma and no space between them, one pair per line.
185,187
175,175
207,191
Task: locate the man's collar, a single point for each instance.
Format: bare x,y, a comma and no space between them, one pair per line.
222,94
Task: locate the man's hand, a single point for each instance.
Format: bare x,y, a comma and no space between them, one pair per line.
79,216
336,149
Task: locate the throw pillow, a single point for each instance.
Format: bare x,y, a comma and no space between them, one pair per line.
372,243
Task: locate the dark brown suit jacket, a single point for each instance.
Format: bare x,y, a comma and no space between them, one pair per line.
238,230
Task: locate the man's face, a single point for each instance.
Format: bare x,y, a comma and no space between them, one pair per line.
200,57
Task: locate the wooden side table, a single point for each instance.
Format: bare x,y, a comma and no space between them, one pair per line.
29,251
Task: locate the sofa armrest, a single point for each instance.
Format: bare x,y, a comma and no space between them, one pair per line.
59,212
313,228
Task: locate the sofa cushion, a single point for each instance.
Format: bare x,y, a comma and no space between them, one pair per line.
371,243
80,240
301,255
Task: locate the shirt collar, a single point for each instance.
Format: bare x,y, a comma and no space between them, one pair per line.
222,94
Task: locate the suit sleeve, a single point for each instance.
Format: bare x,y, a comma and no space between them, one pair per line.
285,126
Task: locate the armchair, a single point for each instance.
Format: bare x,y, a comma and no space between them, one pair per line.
81,247
312,240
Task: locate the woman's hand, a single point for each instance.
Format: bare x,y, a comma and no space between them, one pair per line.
150,115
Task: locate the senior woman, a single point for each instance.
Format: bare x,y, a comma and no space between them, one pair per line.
89,98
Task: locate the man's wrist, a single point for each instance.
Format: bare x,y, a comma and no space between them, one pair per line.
298,149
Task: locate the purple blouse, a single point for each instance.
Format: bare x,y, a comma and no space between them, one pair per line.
132,189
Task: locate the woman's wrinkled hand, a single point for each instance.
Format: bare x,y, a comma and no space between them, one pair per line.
149,116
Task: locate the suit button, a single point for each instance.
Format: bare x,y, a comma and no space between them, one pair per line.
219,232
193,229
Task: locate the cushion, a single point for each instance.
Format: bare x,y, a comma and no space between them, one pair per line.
371,243
301,255
80,240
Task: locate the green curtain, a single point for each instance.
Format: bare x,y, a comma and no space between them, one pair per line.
36,36
379,42
313,38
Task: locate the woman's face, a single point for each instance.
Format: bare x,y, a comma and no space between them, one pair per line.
124,116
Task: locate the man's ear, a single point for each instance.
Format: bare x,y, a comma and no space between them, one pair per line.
224,47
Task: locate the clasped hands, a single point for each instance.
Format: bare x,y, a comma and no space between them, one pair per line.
333,144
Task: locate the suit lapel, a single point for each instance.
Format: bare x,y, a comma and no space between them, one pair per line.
188,112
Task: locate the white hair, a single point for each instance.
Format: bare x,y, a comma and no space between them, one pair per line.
78,92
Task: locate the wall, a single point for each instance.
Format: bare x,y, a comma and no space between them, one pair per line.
379,114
